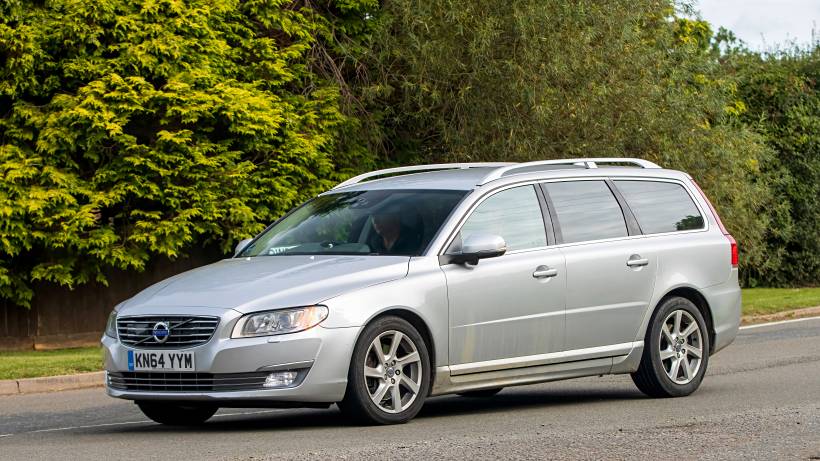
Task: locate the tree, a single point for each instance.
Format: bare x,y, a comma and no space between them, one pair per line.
781,94
530,79
131,129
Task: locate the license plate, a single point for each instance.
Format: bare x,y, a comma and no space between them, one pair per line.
160,361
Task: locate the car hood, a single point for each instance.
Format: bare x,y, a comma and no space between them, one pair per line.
269,282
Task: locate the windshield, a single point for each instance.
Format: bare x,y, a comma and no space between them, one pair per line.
373,222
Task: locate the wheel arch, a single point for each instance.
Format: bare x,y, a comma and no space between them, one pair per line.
419,324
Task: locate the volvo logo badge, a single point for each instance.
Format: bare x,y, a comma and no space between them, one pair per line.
161,332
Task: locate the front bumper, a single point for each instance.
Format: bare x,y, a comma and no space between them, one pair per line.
324,352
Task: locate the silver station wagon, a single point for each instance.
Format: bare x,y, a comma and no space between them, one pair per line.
412,282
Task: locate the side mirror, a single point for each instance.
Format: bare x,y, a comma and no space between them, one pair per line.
479,246
241,246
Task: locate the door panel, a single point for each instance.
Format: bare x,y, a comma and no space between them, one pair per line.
512,305
499,310
610,276
606,298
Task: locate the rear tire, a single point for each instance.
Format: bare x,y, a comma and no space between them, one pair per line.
676,350
482,394
389,375
173,414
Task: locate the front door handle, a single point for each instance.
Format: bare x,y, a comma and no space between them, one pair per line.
636,261
542,272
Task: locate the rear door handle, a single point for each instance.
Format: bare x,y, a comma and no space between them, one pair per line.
635,261
542,272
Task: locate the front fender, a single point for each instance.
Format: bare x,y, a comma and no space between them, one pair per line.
423,292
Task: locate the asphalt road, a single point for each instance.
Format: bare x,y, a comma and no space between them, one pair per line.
760,400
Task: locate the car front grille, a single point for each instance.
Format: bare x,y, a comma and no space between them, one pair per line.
182,331
185,382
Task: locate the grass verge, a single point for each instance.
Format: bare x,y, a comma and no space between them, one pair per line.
759,301
33,364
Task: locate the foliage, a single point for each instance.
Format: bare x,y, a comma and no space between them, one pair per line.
781,94
144,128
131,129
529,79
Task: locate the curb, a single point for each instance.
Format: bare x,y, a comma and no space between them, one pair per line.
778,316
51,383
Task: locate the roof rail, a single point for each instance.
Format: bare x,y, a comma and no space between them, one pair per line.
412,169
581,162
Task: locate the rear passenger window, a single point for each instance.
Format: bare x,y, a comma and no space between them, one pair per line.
586,210
660,206
514,214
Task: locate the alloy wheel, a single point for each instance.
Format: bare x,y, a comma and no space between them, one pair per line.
681,346
392,371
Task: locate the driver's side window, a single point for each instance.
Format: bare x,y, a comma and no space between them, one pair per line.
514,214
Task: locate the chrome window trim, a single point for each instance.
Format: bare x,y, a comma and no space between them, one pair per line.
685,188
485,194
638,236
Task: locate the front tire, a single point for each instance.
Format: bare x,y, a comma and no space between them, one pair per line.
172,414
389,375
676,350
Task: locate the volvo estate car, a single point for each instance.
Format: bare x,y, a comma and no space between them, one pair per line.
412,282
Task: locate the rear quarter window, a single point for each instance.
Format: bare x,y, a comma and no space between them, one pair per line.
661,206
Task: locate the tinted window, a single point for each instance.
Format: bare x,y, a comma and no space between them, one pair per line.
514,214
586,210
660,206
375,222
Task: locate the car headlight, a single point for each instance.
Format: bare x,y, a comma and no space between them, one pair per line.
279,322
111,325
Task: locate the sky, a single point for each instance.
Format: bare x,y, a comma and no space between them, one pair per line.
762,24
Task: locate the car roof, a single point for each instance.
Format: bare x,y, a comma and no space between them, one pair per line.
467,179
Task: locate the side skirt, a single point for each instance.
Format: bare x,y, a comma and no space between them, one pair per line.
447,383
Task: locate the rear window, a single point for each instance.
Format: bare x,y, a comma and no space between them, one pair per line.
661,206
586,210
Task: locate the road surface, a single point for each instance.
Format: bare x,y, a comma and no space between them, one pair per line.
760,400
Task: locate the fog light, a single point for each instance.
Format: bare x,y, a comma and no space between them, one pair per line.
281,379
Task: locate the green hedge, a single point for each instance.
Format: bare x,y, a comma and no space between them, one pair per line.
534,79
781,92
133,129
136,128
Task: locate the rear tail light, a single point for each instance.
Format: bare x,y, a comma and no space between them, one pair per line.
731,239
733,250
